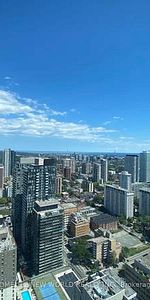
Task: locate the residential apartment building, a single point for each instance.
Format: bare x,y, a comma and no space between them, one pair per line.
47,236
125,180
145,166
144,201
132,166
8,264
118,201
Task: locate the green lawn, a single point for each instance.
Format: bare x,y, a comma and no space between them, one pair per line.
132,251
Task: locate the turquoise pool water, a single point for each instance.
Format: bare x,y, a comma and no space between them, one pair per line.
26,295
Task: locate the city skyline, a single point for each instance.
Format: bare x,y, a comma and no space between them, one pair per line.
74,76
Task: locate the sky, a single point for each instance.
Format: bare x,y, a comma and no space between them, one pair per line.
75,75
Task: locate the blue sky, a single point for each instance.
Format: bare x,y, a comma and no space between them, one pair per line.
75,75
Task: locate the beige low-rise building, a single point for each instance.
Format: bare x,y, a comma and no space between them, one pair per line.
69,209
79,225
102,247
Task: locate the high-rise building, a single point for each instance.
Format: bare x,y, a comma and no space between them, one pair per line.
86,168
67,173
39,183
1,180
145,166
69,163
132,166
87,186
30,183
104,169
58,184
8,265
47,243
9,158
17,194
144,201
125,180
31,160
97,172
118,201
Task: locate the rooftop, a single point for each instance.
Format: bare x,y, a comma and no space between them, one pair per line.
78,218
103,287
129,292
144,260
46,203
145,189
98,239
68,205
103,218
118,188
47,208
7,241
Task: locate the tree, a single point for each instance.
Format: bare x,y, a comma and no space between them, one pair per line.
112,261
122,220
99,199
80,251
4,201
95,267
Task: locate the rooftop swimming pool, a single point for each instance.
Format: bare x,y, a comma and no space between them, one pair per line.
26,295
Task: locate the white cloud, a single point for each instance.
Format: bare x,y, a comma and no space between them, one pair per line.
118,118
107,123
74,110
10,104
7,78
57,113
24,116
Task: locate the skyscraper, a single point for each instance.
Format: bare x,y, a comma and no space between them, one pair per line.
144,201
47,250
104,169
9,157
30,183
17,194
118,201
145,166
8,265
96,172
69,163
1,179
39,184
58,184
132,166
125,180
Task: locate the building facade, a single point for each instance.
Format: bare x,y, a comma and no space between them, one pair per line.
118,201
144,201
8,265
47,247
132,167
145,166
125,180
9,157
79,225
